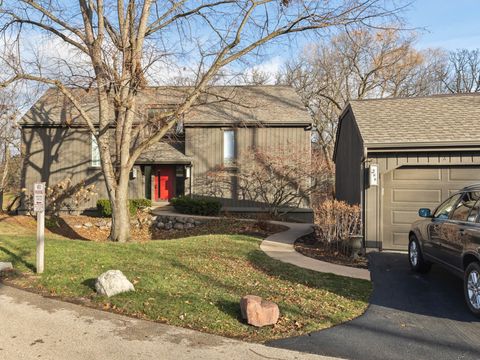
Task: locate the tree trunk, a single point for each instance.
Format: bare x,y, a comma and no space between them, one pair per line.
120,230
6,163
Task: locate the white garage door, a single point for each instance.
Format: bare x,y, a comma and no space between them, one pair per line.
409,188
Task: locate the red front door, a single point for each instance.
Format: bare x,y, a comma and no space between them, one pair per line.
164,181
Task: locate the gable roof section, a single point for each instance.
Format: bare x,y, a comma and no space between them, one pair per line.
220,105
163,153
441,120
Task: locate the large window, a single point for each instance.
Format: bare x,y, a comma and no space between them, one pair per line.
228,147
95,153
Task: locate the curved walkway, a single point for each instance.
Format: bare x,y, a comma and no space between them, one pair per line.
280,246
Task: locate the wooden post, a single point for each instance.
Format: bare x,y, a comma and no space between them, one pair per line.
39,208
40,241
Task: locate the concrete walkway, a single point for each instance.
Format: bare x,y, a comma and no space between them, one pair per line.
34,327
280,246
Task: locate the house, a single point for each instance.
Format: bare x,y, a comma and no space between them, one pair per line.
228,121
394,156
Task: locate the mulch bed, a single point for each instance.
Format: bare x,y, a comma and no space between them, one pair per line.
309,245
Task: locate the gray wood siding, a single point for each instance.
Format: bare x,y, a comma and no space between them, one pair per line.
205,146
348,161
54,154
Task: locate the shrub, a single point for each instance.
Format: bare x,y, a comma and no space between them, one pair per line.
104,206
335,222
141,203
188,205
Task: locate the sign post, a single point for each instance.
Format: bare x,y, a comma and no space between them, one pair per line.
39,208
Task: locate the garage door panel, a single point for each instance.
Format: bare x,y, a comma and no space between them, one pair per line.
400,239
402,217
409,188
416,195
464,174
412,174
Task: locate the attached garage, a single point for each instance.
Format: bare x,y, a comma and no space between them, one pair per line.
394,156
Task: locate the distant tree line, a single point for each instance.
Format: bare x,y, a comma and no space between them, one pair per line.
370,63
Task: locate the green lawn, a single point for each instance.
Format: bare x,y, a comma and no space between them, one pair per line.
192,282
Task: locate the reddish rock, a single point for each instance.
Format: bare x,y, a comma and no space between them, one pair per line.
259,312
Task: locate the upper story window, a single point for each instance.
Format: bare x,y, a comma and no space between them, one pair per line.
95,161
229,147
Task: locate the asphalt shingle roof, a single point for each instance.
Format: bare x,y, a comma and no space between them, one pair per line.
219,105
422,120
163,153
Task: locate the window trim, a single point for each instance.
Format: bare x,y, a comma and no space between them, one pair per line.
227,162
94,162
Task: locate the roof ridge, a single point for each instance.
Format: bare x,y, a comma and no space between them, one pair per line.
433,96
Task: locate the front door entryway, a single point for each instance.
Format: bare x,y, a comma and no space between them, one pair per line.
164,188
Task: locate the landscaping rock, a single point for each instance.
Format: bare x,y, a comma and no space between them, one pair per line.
179,226
88,225
189,225
101,223
196,222
180,220
113,282
6,266
168,226
77,226
160,225
259,312
190,221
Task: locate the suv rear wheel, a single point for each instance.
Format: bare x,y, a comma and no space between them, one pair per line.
472,287
415,256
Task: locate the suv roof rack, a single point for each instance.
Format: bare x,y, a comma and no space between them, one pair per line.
472,187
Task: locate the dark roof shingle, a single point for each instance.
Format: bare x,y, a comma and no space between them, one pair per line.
436,119
218,105
163,153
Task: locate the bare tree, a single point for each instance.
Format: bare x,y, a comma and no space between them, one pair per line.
462,73
366,63
276,178
116,43
9,142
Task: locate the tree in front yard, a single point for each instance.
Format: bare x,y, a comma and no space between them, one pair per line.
115,48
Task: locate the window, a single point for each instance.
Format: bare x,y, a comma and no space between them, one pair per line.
95,153
473,216
444,210
228,147
464,206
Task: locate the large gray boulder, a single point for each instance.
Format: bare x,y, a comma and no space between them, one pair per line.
6,266
113,282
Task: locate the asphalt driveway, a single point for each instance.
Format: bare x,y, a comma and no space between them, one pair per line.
411,317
